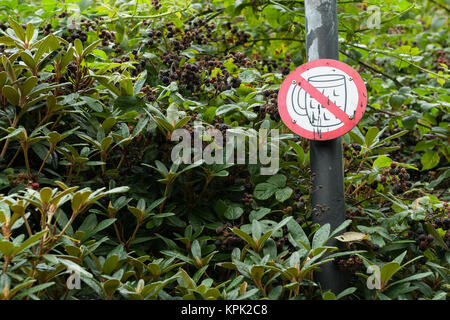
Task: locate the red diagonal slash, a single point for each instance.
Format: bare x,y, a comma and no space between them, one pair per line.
324,101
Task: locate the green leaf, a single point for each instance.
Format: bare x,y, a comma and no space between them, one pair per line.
18,30
264,191
249,75
429,160
233,212
346,292
94,104
110,264
31,241
382,162
106,143
110,286
196,249
29,31
244,236
256,229
396,101
388,270
283,194
356,135
321,236
297,233
28,85
11,94
279,180
7,248
328,295
78,47
188,282
371,135
46,194
28,59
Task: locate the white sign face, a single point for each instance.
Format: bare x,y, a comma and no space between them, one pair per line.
322,99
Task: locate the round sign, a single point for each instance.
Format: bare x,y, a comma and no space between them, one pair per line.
322,99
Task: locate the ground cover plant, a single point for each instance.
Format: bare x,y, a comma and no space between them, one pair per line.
91,92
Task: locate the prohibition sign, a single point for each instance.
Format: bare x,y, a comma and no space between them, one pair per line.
322,99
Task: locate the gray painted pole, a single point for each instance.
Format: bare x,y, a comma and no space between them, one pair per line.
327,199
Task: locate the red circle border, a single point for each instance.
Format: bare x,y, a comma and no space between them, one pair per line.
361,105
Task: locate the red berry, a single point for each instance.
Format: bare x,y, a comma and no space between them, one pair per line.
35,185
422,245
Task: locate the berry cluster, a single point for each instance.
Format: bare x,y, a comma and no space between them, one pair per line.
352,263
271,65
156,4
443,223
442,57
75,34
47,28
154,36
422,240
222,127
150,93
359,212
227,241
106,37
352,150
62,14
271,106
240,60
22,179
238,37
399,178
199,32
247,199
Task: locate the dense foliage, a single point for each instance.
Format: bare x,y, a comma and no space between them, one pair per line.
91,92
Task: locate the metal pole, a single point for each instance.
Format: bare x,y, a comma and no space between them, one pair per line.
327,199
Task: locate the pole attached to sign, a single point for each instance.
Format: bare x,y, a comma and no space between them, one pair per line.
327,197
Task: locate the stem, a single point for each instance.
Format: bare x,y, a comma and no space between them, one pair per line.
45,160
200,197
117,232
399,58
133,236
146,17
5,267
27,225
121,160
365,64
25,154
5,146
165,197
72,218
70,173
13,158
57,120
440,5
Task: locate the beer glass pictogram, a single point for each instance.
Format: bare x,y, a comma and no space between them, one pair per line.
333,86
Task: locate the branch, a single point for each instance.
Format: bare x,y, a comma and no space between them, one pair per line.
368,66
